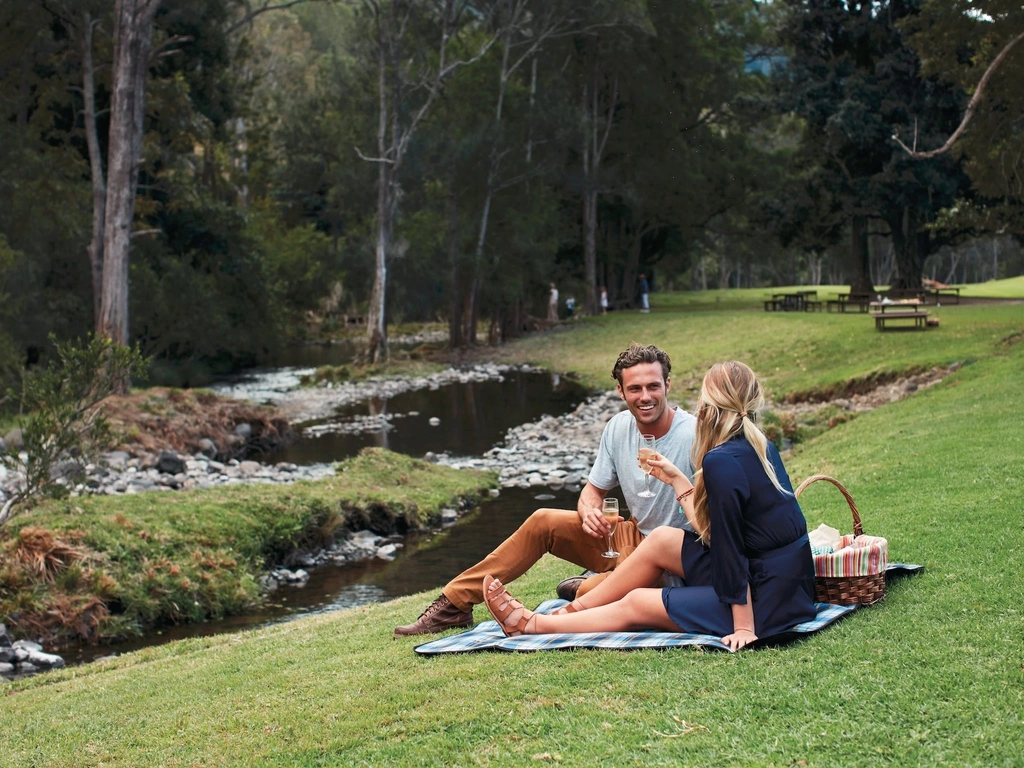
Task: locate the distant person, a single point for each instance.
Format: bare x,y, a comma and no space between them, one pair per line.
570,306
604,300
645,290
553,305
749,575
642,380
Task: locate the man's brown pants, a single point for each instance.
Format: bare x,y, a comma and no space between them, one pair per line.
557,531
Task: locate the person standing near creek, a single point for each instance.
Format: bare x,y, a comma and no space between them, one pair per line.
553,305
645,290
642,376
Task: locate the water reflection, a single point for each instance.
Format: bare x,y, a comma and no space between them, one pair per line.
473,418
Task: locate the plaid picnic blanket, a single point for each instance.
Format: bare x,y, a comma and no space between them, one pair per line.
487,635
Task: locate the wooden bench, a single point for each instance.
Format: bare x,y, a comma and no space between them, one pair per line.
918,316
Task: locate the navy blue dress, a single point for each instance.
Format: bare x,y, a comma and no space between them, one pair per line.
758,537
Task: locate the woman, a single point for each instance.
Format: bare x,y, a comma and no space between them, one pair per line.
749,571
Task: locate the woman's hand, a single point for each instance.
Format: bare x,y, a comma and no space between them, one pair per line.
739,638
662,469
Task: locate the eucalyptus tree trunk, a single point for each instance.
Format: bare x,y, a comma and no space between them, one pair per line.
99,187
133,39
593,150
376,327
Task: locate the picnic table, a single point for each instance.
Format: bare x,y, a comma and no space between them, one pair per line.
793,301
844,300
951,293
892,311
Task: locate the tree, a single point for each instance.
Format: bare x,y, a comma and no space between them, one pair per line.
977,46
404,68
850,77
65,415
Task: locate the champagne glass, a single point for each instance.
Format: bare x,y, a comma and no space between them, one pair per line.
646,451
610,510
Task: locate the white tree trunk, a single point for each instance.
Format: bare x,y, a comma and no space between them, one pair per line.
133,39
99,187
376,328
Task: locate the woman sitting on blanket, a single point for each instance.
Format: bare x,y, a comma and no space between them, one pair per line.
748,574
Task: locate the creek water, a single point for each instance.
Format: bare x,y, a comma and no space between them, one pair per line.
426,560
473,418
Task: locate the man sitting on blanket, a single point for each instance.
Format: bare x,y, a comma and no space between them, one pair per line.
642,376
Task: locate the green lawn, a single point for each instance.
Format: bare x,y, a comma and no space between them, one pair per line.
1010,288
931,676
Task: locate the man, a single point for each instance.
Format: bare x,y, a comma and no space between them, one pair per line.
642,381
645,290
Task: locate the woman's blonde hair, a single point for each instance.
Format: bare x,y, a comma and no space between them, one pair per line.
730,398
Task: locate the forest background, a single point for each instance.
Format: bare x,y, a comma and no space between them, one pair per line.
213,180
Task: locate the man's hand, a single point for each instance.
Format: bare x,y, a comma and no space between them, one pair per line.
595,523
589,510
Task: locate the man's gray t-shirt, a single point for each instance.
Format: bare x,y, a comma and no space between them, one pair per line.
616,464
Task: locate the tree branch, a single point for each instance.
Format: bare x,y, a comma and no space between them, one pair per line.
373,159
160,50
262,9
969,113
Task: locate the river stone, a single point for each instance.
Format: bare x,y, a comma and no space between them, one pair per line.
247,468
434,421
243,430
6,669
67,469
7,655
13,440
207,447
47,660
27,645
27,668
364,539
170,463
5,637
387,552
20,655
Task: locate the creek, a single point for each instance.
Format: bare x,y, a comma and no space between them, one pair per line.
473,417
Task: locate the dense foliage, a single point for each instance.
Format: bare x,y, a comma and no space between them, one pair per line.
306,163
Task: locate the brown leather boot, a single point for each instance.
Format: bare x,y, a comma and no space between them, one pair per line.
439,616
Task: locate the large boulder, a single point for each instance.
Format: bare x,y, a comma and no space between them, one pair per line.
170,463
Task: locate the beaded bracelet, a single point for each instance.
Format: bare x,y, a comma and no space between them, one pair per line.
684,494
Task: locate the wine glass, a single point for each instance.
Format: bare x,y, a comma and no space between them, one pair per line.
610,510
646,451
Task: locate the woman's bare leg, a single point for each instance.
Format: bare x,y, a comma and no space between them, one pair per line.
661,551
639,609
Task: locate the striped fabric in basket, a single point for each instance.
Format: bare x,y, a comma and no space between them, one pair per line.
870,556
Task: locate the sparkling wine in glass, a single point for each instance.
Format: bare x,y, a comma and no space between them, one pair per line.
647,450
610,508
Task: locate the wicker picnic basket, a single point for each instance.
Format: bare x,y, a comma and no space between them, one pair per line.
866,584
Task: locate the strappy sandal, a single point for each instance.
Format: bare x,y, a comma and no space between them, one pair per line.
568,608
502,605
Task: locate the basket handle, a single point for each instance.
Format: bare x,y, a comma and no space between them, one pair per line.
858,529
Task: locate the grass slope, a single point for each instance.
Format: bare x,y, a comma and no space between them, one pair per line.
931,676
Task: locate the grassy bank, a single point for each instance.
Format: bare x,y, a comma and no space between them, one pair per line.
931,676
791,351
105,566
